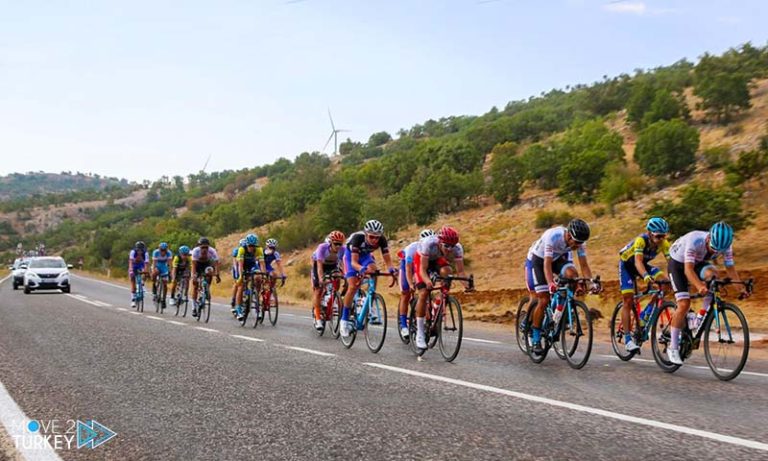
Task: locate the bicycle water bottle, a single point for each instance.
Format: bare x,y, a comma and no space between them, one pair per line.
326,296
691,318
700,317
558,310
436,301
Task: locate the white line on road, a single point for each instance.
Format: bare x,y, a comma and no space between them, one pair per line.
135,313
83,299
121,308
176,323
154,318
310,351
15,422
210,330
582,408
698,367
286,314
487,341
249,338
101,281
6,278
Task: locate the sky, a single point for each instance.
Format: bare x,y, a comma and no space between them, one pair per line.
143,89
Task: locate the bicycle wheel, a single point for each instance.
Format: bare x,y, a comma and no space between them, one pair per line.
273,307
260,313
521,319
576,334
335,316
413,330
618,335
661,336
535,358
348,341
177,298
404,339
726,342
163,293
246,309
375,324
450,329
207,306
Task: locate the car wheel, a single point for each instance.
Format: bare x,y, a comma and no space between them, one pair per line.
27,290
15,286
66,290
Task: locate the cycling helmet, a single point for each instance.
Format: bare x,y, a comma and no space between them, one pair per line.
336,237
242,242
184,250
251,239
657,226
374,227
720,236
271,243
163,246
141,245
203,241
579,230
426,233
448,235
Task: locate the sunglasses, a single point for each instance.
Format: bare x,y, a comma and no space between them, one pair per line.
251,246
336,244
658,236
448,247
374,237
204,247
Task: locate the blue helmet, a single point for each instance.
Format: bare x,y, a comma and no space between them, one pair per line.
657,226
184,250
251,239
720,236
242,242
163,246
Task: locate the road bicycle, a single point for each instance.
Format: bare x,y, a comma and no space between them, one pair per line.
369,314
267,301
444,324
642,318
203,298
330,304
723,330
139,295
182,296
161,292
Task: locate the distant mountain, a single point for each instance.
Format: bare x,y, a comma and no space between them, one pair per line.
19,185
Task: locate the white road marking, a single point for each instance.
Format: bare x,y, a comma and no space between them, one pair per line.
121,308
101,303
249,338
487,341
135,313
101,281
15,422
582,408
6,278
698,367
310,351
176,323
286,314
210,330
83,299
154,318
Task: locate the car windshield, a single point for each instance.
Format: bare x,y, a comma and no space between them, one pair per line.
47,263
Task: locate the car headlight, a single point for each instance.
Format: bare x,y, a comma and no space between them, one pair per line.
32,275
64,274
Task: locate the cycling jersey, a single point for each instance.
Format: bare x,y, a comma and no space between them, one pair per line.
179,263
357,243
642,246
210,256
429,247
250,259
138,257
270,256
406,257
325,256
552,244
692,248
161,259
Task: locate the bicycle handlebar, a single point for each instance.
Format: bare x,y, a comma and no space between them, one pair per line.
749,284
470,280
380,273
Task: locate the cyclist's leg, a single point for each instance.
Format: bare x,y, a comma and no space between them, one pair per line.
317,291
405,296
530,284
627,287
542,294
235,276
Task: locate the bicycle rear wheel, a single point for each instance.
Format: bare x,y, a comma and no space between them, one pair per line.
273,307
163,294
521,319
335,316
405,339
576,334
375,324
661,336
618,334
207,306
450,329
726,342
535,358
246,309
413,330
348,341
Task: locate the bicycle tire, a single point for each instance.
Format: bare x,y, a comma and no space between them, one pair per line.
618,334
522,312
735,371
535,358
576,334
274,309
375,344
413,330
207,306
660,352
450,319
404,339
163,294
261,312
348,341
335,316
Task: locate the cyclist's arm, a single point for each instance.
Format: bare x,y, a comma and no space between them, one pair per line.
548,270
693,277
732,273
409,274
320,271
640,266
262,265
460,268
584,265
355,260
279,265
423,270
192,265
388,261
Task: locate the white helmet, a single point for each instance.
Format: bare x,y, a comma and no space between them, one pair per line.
374,227
426,233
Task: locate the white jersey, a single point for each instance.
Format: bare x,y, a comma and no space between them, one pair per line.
692,248
430,247
209,256
552,244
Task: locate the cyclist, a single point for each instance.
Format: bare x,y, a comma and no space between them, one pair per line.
406,279
272,256
552,254
247,259
235,274
359,260
180,268
633,263
433,256
205,262
160,259
326,258
137,260
691,262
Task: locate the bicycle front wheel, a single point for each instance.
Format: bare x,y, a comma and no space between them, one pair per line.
661,336
521,321
335,316
618,335
375,324
207,306
726,342
273,308
576,334
450,329
413,329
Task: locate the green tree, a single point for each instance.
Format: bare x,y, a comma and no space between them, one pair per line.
340,207
378,139
665,106
666,147
620,183
507,174
722,86
641,99
580,177
542,163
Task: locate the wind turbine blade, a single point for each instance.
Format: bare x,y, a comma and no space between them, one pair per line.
342,131
328,141
331,118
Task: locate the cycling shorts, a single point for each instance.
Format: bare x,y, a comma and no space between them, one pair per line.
628,274
327,269
534,272
364,261
680,281
433,267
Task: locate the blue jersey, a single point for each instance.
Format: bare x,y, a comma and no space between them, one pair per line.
161,259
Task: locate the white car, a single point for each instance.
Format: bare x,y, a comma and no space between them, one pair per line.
47,273
18,269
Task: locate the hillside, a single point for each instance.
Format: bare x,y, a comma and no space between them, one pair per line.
18,185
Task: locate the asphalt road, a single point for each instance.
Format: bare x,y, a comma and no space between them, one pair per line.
171,390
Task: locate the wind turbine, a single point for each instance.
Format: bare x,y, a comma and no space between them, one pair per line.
334,135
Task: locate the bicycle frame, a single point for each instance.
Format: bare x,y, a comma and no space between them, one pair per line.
332,282
139,287
716,307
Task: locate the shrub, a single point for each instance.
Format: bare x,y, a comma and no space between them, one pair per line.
667,147
717,157
507,174
620,183
546,219
750,164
